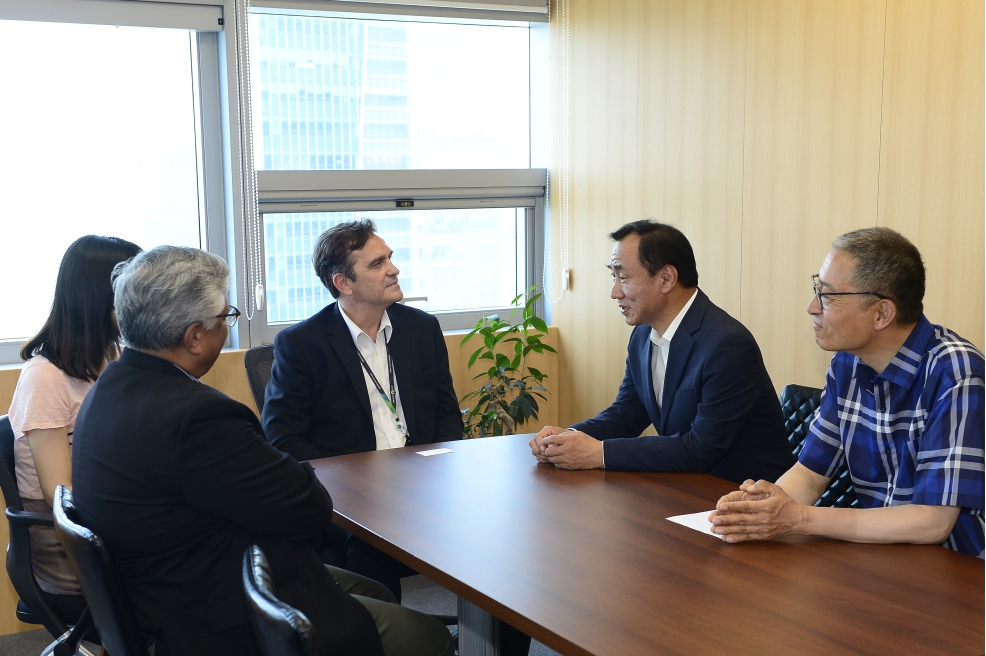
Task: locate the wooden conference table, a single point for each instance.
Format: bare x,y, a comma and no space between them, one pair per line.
586,562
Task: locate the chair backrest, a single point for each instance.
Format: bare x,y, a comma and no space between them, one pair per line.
19,567
8,477
98,579
281,630
258,362
799,405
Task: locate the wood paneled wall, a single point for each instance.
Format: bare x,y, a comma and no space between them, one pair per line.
229,376
764,129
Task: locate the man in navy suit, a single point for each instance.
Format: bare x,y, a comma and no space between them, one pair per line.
692,371
366,373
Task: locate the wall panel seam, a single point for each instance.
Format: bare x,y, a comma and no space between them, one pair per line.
883,110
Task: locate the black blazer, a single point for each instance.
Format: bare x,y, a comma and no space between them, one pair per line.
316,404
178,480
720,412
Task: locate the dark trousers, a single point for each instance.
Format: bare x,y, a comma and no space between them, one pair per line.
366,560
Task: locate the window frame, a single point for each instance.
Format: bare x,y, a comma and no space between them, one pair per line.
368,190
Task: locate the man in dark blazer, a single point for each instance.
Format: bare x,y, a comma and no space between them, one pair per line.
317,403
322,400
692,371
178,480
365,373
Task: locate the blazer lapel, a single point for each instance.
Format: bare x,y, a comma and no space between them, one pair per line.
401,349
681,349
341,341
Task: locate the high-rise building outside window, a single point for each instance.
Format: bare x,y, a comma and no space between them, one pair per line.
358,94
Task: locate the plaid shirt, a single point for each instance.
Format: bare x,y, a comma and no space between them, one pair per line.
912,434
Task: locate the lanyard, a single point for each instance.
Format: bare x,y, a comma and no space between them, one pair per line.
391,401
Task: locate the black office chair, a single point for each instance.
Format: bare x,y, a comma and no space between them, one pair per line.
258,362
281,630
799,404
65,616
99,579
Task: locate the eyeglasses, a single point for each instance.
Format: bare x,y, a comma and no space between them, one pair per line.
230,317
819,293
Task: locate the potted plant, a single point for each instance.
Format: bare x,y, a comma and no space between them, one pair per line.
510,389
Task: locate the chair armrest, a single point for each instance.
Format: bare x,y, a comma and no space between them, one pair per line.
30,518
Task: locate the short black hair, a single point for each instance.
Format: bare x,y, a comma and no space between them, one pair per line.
886,262
334,250
661,245
80,335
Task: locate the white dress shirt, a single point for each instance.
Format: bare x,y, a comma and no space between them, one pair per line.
659,356
388,435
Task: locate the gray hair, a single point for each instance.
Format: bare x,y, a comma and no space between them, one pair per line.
163,291
886,262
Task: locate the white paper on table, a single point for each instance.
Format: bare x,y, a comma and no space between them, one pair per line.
698,521
433,452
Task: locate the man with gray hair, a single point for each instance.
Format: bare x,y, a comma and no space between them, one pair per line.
903,406
178,480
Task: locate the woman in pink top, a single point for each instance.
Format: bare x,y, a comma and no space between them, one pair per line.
63,361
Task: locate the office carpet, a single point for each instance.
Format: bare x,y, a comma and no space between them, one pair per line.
418,592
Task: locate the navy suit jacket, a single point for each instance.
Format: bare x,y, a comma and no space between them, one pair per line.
720,412
317,405
178,480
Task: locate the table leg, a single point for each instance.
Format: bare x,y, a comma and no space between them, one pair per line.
479,632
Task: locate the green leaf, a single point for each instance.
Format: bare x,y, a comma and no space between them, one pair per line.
536,373
472,358
469,336
539,324
525,405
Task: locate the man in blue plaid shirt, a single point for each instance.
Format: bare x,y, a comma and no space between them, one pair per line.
903,405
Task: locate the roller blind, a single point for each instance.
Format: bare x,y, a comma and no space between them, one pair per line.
507,10
190,15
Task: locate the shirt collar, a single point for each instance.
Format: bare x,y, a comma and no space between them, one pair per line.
669,333
356,331
903,369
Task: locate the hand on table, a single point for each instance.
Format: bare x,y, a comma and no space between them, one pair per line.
757,511
570,449
536,448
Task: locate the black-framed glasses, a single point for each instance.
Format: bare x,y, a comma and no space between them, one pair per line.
230,317
819,293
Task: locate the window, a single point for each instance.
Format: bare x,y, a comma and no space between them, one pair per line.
100,138
464,250
440,271
352,114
